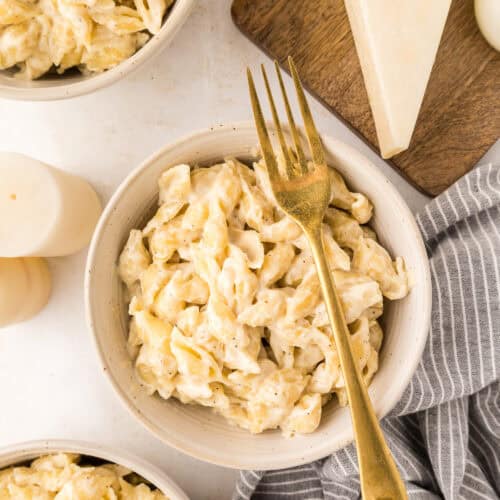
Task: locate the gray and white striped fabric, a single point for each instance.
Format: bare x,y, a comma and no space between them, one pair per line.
445,431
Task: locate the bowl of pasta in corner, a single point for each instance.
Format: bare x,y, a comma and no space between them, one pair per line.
206,312
75,469
56,50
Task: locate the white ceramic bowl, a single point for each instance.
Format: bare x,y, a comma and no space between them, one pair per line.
74,84
19,453
195,430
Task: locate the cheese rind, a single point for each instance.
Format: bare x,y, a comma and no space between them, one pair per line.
397,43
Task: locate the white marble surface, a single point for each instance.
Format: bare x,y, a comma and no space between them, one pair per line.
50,382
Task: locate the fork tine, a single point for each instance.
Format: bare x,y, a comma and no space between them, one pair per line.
284,148
260,124
313,138
296,138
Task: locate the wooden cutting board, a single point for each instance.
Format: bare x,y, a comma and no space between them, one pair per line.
460,116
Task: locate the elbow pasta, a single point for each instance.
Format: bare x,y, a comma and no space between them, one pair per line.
92,35
226,308
60,477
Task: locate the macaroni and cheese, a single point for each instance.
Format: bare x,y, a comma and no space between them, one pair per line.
225,304
59,477
93,35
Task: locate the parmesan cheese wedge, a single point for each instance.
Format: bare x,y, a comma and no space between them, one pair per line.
396,42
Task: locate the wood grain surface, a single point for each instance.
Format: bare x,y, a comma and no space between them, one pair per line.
460,116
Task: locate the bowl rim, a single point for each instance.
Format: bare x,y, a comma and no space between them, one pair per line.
27,450
212,457
172,24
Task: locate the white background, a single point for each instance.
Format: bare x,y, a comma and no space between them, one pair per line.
51,386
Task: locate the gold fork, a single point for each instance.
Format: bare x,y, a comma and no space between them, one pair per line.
303,193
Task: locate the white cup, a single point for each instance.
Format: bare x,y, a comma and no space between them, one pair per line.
45,212
24,288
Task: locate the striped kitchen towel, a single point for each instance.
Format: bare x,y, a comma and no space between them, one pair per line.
445,431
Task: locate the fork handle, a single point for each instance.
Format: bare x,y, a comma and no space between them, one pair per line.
380,478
